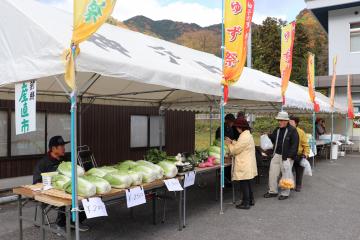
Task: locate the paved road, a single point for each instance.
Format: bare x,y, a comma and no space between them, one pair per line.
326,209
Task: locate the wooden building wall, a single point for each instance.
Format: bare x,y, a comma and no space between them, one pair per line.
106,129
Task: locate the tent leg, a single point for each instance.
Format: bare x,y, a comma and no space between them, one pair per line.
75,213
222,155
211,123
313,140
161,127
80,122
332,137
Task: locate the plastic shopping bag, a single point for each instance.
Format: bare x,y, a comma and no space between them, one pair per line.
307,167
287,179
265,142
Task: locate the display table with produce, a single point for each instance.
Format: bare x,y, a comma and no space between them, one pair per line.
109,183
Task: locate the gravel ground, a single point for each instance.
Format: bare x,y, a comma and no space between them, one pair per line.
327,208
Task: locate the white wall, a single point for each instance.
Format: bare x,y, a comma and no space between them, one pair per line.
339,41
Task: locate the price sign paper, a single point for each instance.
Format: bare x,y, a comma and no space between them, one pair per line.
173,185
135,197
189,179
94,207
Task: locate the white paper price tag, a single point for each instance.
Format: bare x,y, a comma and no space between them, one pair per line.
189,179
135,197
94,207
173,185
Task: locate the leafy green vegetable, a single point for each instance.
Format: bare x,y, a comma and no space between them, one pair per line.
148,174
65,169
170,169
118,180
97,172
157,169
60,181
155,155
126,165
85,188
102,186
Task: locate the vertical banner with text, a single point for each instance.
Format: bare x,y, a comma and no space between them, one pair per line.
25,107
351,114
237,24
311,81
287,45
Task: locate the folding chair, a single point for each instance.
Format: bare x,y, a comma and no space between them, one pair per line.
86,158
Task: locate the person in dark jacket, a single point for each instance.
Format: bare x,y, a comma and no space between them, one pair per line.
286,142
50,163
228,127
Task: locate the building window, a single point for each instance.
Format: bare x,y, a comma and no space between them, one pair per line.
3,133
30,143
355,37
139,131
58,124
145,131
155,131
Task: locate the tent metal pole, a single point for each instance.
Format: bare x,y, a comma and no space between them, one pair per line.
80,120
313,139
73,142
332,136
161,123
222,152
86,86
346,128
62,86
211,123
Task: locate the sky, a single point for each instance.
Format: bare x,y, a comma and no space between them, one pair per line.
202,12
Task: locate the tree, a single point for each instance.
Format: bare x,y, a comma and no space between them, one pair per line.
266,46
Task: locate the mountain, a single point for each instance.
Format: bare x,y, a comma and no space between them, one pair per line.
266,40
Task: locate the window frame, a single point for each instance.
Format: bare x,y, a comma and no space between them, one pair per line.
148,132
352,31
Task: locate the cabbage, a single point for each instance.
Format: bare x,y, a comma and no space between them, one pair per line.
108,169
170,169
157,169
128,164
135,176
102,186
118,180
148,174
97,172
65,169
215,149
60,181
85,188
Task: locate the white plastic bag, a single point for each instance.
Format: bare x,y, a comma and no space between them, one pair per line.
265,142
287,178
307,167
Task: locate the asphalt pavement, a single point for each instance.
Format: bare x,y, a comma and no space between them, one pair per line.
326,209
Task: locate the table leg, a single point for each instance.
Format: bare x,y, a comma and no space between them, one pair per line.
154,207
20,217
217,185
42,227
184,208
180,210
68,222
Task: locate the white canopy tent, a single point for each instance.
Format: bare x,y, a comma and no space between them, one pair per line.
119,66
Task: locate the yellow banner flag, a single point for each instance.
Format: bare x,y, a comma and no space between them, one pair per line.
311,76
287,45
89,15
333,82
237,24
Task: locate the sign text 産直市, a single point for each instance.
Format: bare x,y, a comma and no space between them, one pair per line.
25,107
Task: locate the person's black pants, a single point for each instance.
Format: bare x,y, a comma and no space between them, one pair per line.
299,173
246,190
227,174
61,217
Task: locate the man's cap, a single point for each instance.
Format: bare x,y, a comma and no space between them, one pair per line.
57,141
282,116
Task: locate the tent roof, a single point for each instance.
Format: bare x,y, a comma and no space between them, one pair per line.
119,66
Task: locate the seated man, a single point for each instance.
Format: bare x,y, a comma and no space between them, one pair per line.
50,163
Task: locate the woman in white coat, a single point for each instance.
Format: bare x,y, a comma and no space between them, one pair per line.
245,168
